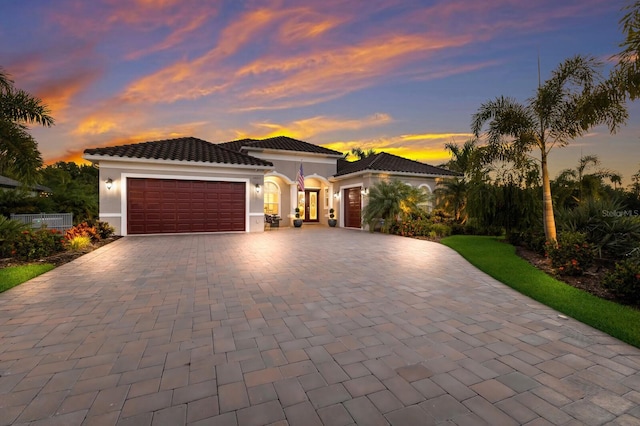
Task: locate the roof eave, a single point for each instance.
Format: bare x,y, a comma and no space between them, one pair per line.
390,172
97,158
286,151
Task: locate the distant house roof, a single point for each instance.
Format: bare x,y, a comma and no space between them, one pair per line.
9,183
384,162
281,143
180,149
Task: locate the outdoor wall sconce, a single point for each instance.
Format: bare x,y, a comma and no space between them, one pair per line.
364,191
258,188
336,195
109,183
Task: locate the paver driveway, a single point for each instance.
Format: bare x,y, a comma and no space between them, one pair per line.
305,327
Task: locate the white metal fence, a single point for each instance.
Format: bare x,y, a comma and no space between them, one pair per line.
58,221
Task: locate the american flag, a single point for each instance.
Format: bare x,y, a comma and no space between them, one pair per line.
300,179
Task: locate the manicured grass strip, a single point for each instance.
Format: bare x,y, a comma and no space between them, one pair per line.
499,260
14,275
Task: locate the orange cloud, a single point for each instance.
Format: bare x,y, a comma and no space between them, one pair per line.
339,70
308,77
58,94
309,127
307,24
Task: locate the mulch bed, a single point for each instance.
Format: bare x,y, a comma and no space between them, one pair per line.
59,258
589,282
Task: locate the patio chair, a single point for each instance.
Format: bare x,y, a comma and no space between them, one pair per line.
273,220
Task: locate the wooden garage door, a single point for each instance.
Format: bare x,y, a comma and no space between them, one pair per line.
158,206
353,207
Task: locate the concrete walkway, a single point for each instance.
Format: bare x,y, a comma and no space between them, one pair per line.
311,326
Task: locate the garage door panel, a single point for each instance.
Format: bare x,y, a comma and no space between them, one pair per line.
170,206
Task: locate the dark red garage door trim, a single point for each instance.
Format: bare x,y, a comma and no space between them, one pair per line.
161,206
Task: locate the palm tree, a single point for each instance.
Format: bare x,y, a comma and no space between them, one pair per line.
360,153
390,201
452,197
616,179
565,107
466,159
19,155
626,75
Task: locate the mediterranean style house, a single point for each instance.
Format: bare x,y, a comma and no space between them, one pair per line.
189,185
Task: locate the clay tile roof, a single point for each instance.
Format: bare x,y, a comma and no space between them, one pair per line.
283,143
180,149
384,162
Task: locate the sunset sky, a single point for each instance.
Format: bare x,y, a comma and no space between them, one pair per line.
399,76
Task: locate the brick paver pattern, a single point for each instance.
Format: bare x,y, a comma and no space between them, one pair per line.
310,326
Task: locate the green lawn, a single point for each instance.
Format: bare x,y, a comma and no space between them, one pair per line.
14,275
499,260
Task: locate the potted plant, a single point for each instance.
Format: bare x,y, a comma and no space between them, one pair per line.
297,222
332,221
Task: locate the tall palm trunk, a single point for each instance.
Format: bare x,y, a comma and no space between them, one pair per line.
547,202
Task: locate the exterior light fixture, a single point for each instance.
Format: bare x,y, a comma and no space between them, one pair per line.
109,183
258,188
364,191
336,195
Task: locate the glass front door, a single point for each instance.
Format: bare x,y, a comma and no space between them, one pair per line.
311,197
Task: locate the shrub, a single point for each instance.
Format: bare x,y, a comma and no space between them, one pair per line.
32,245
530,239
457,229
571,254
624,280
606,224
10,230
104,229
83,230
418,226
78,243
440,230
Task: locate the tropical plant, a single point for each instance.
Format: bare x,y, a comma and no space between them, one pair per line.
613,229
10,230
451,195
19,155
626,75
83,230
466,159
575,185
389,201
78,243
103,229
565,107
359,153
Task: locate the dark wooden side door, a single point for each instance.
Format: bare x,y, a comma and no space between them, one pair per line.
352,208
